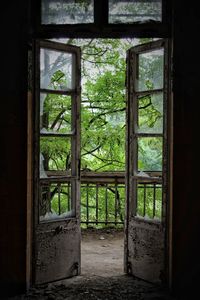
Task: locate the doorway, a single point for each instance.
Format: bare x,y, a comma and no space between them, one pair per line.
101,169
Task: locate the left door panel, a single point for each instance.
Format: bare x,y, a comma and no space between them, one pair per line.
56,217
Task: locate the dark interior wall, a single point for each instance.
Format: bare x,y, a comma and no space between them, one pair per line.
186,229
186,221
13,97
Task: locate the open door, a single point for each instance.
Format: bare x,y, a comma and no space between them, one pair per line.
56,253
147,161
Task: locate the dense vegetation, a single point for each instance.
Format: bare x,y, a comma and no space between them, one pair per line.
103,120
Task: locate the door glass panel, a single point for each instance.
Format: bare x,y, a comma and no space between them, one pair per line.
55,155
55,201
55,113
149,200
56,70
67,11
151,70
150,113
131,11
150,153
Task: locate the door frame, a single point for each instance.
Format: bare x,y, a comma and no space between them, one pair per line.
169,211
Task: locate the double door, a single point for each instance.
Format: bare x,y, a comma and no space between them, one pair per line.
56,209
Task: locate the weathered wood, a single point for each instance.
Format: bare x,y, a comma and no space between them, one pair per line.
29,235
57,134
145,259
69,92
148,92
146,249
57,241
56,256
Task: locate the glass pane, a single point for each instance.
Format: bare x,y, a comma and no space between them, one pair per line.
131,11
56,70
55,111
67,11
151,70
150,113
55,201
150,154
55,155
149,200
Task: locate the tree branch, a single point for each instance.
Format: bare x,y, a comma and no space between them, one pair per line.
147,105
90,152
57,118
106,113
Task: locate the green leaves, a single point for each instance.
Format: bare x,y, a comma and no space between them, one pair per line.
103,106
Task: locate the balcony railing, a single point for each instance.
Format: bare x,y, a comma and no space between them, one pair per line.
102,198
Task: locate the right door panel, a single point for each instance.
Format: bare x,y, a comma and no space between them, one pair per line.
147,160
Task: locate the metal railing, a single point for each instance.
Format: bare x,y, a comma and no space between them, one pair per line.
102,198
149,200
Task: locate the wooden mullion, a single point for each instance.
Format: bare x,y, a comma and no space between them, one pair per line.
55,134
36,120
61,47
148,92
61,179
147,47
142,179
59,92
101,13
148,135
137,30
134,129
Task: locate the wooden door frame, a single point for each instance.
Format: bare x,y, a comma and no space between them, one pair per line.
96,30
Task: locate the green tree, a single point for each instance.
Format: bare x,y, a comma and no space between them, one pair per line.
103,113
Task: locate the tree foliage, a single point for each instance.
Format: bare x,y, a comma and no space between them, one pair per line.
103,107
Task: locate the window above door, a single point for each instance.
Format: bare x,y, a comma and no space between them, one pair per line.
87,18
118,11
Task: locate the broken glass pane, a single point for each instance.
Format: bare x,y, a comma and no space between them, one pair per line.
56,70
55,113
67,11
151,70
150,113
150,153
43,174
55,201
132,11
56,153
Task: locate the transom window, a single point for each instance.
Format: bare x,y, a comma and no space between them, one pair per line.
82,11
99,17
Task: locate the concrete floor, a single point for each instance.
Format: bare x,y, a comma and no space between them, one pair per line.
102,252
102,275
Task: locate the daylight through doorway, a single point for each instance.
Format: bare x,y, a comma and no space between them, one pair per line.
100,129
103,154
